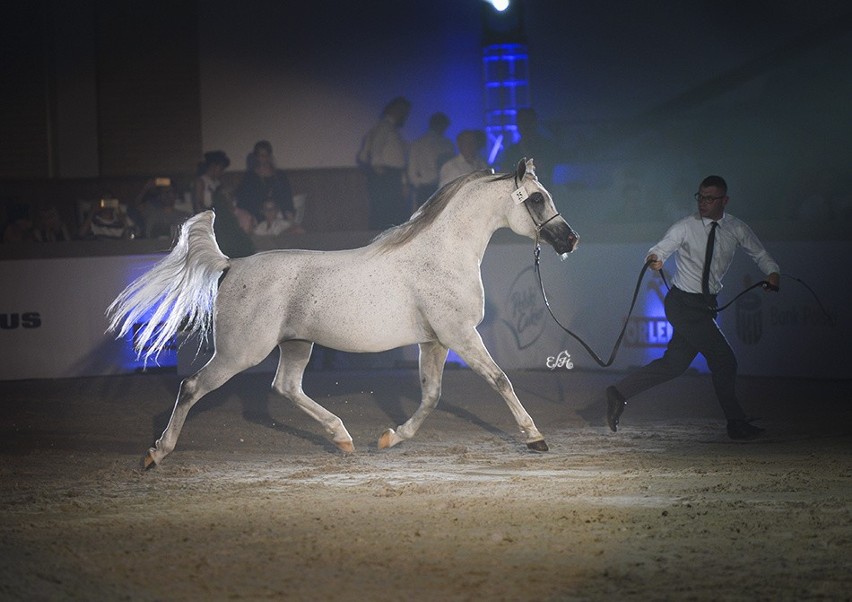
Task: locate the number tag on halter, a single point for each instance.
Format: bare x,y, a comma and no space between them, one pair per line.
520,195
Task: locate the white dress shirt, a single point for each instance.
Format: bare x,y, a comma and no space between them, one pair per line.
688,238
459,166
428,153
384,146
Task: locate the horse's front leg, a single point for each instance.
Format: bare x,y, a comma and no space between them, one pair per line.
432,358
288,382
472,350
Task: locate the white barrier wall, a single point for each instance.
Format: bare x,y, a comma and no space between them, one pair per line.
784,334
52,312
52,319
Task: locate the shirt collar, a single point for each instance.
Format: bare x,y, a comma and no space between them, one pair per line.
707,221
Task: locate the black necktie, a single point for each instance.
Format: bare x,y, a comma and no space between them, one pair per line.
708,258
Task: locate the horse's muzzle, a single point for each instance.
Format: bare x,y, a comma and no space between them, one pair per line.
560,236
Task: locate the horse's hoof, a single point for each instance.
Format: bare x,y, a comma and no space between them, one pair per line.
388,439
539,446
148,462
345,446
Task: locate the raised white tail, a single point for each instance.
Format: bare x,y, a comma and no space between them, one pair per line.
181,289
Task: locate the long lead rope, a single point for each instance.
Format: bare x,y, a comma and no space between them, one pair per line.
609,362
600,362
765,285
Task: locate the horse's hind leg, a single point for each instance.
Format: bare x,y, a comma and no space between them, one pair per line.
288,382
212,376
473,352
432,358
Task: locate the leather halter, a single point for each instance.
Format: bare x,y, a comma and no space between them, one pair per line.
538,227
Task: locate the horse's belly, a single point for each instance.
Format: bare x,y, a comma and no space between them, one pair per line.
366,332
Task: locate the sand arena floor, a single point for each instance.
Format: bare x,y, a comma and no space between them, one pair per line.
257,504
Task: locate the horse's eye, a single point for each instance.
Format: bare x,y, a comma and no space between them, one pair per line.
537,198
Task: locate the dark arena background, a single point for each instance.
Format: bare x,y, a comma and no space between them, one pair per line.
638,102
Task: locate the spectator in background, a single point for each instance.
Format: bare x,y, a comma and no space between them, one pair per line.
264,182
428,154
383,157
107,221
156,205
50,227
533,144
272,223
208,180
232,225
469,159
19,226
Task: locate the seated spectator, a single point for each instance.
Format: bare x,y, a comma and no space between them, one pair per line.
272,223
107,221
50,227
208,180
20,225
156,205
232,225
470,143
264,181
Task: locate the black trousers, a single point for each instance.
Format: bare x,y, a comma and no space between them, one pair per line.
388,206
694,331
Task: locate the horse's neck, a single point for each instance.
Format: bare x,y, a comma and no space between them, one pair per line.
473,216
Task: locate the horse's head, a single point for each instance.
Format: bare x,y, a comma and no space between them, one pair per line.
535,215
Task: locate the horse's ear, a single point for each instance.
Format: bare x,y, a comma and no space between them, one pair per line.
521,169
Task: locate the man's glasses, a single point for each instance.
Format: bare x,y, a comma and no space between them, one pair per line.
707,199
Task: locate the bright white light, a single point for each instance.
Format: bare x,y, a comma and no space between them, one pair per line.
500,5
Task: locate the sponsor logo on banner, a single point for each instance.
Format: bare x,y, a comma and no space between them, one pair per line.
525,310
12,321
643,331
649,331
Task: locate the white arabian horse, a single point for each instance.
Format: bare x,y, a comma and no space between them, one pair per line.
418,282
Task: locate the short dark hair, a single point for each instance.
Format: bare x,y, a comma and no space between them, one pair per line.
439,121
216,157
400,103
716,181
263,145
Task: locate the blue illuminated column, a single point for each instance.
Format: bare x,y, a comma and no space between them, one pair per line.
506,82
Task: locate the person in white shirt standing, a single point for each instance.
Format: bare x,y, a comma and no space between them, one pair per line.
469,159
428,153
383,155
703,244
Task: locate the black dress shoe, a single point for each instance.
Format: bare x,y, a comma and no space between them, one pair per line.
615,403
741,430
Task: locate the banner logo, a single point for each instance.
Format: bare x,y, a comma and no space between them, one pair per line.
27,319
526,313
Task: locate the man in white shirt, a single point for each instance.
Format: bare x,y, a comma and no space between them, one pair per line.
708,234
383,155
428,153
470,143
